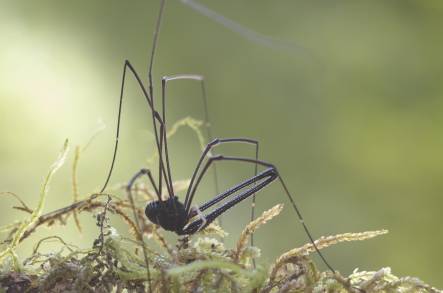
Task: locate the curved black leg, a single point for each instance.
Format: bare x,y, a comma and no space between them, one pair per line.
250,192
199,78
264,178
148,173
156,118
191,189
137,222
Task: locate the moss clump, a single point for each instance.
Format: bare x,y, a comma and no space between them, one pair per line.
200,263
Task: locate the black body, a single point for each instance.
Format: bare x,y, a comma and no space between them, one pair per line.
170,214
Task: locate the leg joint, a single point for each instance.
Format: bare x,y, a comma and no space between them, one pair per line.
145,171
214,142
216,158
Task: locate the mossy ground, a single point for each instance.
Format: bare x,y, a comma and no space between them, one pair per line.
200,263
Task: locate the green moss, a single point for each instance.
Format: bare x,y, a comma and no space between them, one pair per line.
200,263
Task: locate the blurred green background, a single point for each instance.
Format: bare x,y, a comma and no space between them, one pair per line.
352,116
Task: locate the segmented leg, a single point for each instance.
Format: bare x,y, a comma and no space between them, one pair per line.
249,192
190,192
264,179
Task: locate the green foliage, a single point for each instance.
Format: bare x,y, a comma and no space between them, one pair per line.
359,109
9,250
198,263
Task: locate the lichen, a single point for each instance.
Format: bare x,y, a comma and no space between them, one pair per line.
197,263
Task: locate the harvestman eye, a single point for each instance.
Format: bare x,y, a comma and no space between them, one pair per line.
183,217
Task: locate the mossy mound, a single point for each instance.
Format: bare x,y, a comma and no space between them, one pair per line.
200,263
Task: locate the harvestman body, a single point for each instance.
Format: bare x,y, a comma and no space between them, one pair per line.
172,214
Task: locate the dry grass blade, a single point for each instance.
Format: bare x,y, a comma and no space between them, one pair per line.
70,247
161,240
37,212
200,265
414,284
78,150
252,226
193,124
321,243
190,122
75,193
24,207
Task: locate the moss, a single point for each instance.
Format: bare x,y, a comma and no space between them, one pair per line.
200,263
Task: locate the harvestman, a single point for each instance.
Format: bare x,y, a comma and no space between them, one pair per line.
172,214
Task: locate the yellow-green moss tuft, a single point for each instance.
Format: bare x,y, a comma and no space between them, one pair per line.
199,263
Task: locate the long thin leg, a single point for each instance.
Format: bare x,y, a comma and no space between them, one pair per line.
162,129
253,205
154,45
163,140
160,154
151,94
190,192
288,194
251,181
199,78
266,177
137,222
157,118
148,173
165,81
151,90
209,163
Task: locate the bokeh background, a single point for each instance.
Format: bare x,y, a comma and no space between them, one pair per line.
352,115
